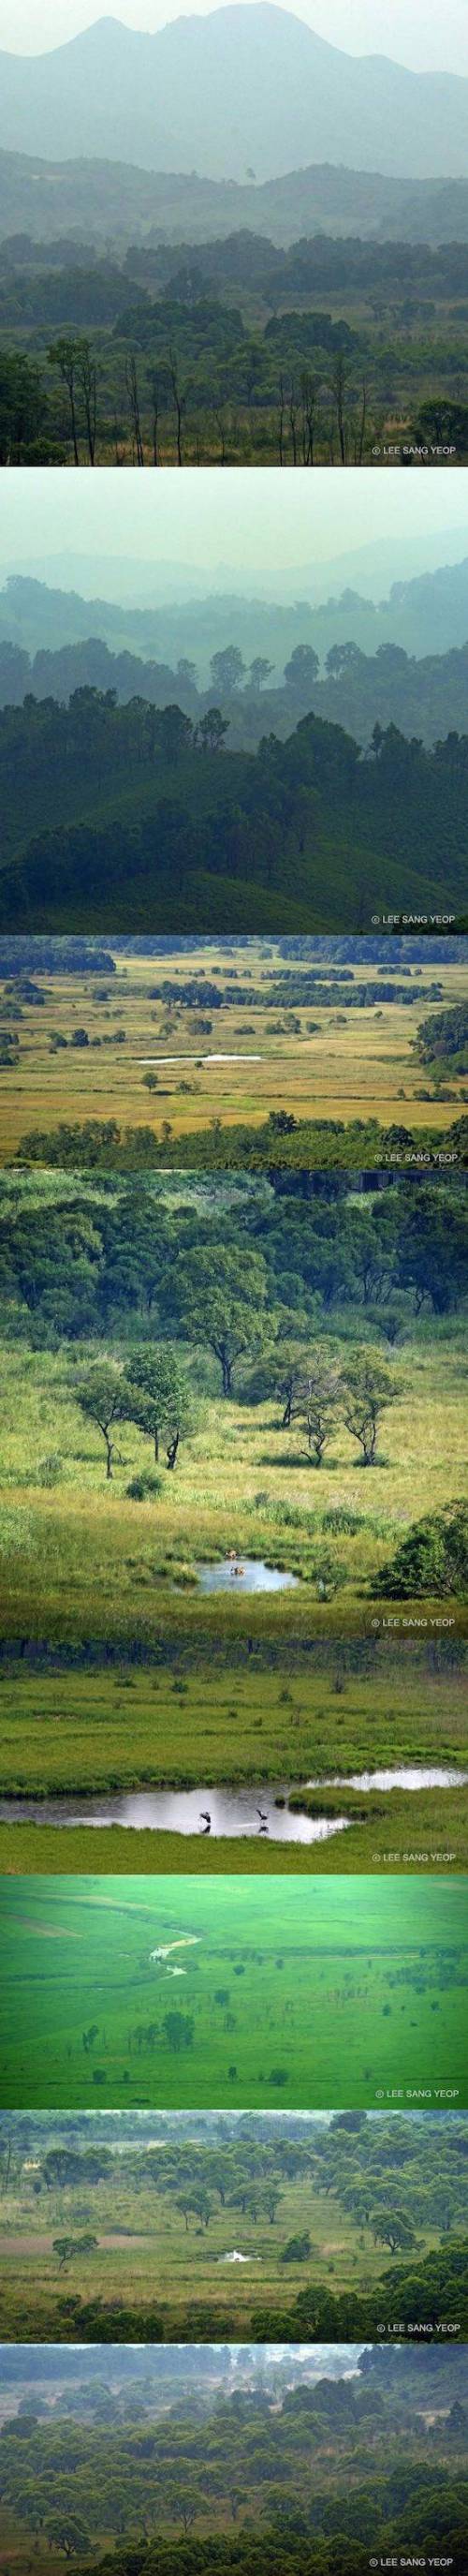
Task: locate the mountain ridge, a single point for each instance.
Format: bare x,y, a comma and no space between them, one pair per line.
242,91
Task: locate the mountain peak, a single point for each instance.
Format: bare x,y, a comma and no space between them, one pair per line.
240,89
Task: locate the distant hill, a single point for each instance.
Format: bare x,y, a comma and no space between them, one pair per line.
101,201
127,818
243,93
428,614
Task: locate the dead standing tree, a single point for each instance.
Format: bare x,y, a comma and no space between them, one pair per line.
179,401
131,380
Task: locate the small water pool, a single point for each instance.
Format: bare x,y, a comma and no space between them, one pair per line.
411,1775
208,1812
244,1574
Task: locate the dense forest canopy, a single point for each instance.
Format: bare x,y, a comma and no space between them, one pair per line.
254,2461
307,834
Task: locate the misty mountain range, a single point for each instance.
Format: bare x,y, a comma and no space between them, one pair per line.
426,614
112,201
244,94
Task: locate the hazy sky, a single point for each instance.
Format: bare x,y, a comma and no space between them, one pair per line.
420,33
246,520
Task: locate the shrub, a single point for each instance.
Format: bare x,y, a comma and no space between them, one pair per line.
145,1488
50,1469
432,1559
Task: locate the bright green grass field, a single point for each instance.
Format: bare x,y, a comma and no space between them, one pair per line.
337,1991
85,1732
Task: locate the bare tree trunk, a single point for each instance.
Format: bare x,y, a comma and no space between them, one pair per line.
178,404
131,381
155,397
88,381
281,422
293,422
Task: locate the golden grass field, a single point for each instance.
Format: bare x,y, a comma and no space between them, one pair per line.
352,1065
83,1560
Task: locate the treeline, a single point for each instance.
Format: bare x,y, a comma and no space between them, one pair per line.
302,827
69,282
99,1260
317,2479
419,695
306,1148
189,380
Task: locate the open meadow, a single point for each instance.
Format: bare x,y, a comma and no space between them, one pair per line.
232,1034
333,1989
97,1745
188,2226
233,1441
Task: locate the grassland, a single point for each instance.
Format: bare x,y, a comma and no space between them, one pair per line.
117,1670
162,2213
256,1721
336,1994
410,353
96,1567
314,1062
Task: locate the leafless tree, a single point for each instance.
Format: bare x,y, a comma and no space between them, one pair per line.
178,401
87,378
155,403
292,411
282,409
309,418
131,381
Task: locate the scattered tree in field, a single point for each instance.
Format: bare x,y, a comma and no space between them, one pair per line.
67,2247
315,1402
367,1389
221,1302
159,1395
390,2227
179,2029
103,1397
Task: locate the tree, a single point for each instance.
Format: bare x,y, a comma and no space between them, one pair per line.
259,671
88,382
68,2246
65,2531
212,729
221,1298
390,2227
66,356
163,1403
432,1560
175,733
367,1389
315,1402
103,1398
297,2249
302,671
131,380
227,670
179,2029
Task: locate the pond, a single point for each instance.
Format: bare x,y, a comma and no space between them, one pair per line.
209,1812
235,1056
424,1775
244,1574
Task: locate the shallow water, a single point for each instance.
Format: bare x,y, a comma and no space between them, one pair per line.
238,2258
424,1775
181,1811
235,1056
244,1574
